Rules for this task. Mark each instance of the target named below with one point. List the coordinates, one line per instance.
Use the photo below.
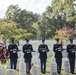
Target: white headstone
(66, 65)
(17, 66)
(1, 70)
(53, 67)
(22, 69)
(36, 61)
(53, 59)
(22, 59)
(53, 70)
(11, 72)
(64, 53)
(35, 70)
(8, 64)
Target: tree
(44, 26)
(65, 33)
(9, 29)
(12, 13)
(24, 19)
(65, 10)
(60, 13)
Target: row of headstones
(22, 67)
(53, 70)
(35, 69)
(22, 70)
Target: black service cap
(27, 40)
(57, 39)
(71, 40)
(12, 38)
(43, 40)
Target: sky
(36, 6)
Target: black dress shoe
(44, 72)
(59, 73)
(28, 72)
(41, 71)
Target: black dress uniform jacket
(57, 48)
(26, 49)
(13, 48)
(71, 48)
(40, 50)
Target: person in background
(43, 49)
(2, 54)
(27, 49)
(71, 49)
(13, 49)
(57, 48)
(5, 53)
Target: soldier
(27, 49)
(71, 48)
(43, 49)
(57, 48)
(13, 49)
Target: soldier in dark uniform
(27, 49)
(71, 48)
(57, 48)
(43, 49)
(13, 48)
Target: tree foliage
(9, 29)
(65, 33)
(23, 18)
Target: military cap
(71, 40)
(27, 40)
(57, 39)
(43, 40)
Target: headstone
(48, 54)
(22, 59)
(36, 61)
(8, 64)
(66, 65)
(53, 68)
(64, 53)
(17, 66)
(35, 70)
(1, 70)
(11, 72)
(22, 69)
